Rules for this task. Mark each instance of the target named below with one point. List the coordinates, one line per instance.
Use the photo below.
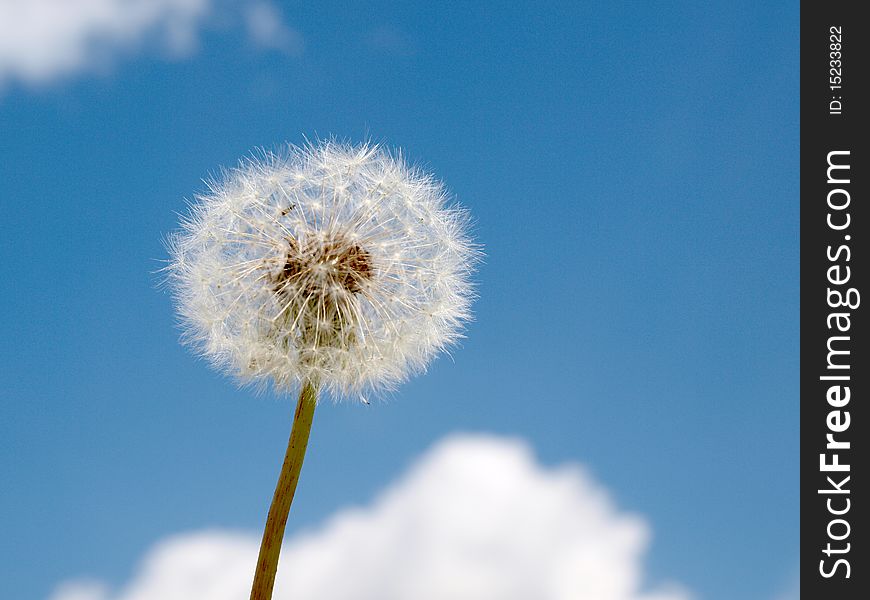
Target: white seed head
(334, 264)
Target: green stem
(273, 535)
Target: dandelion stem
(270, 547)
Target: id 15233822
(835, 77)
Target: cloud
(82, 590)
(476, 518)
(792, 590)
(44, 40)
(267, 28)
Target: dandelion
(330, 268)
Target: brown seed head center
(321, 265)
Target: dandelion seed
(332, 268)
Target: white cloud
(475, 519)
(43, 40)
(267, 28)
(792, 590)
(82, 590)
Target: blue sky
(632, 169)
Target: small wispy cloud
(84, 589)
(42, 41)
(476, 518)
(792, 590)
(268, 29)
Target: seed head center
(324, 266)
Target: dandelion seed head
(334, 264)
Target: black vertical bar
(835, 562)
